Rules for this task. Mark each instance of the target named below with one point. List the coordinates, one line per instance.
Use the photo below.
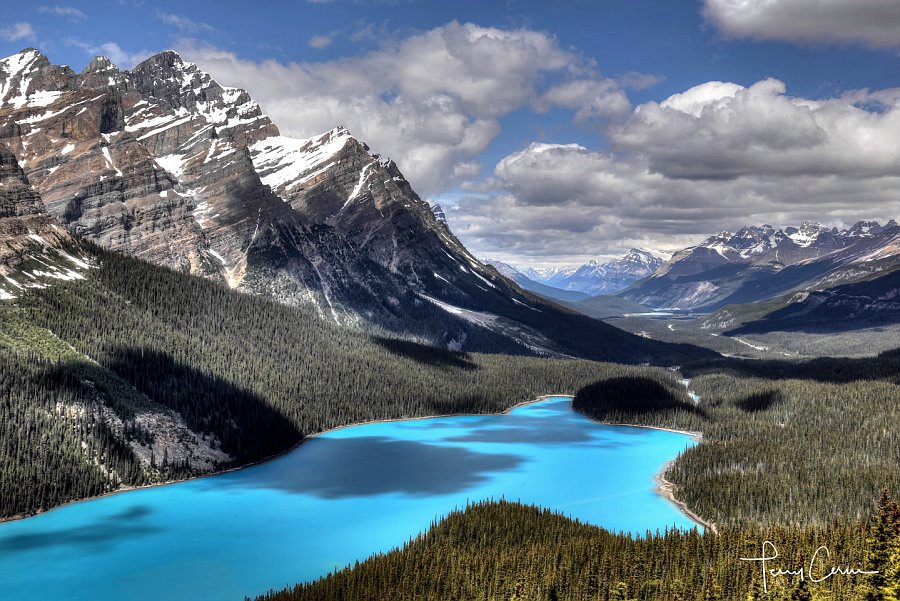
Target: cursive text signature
(810, 572)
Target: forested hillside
(793, 453)
(505, 551)
(783, 442)
(138, 374)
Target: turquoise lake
(338, 498)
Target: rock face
(760, 263)
(34, 248)
(18, 198)
(163, 163)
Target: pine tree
(885, 531)
(801, 592)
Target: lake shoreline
(664, 488)
(294, 447)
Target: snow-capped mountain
(163, 163)
(34, 248)
(595, 277)
(761, 262)
(548, 275)
(440, 215)
(517, 276)
(505, 269)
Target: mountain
(116, 372)
(760, 263)
(636, 264)
(867, 303)
(526, 283)
(164, 164)
(595, 277)
(439, 215)
(548, 274)
(34, 248)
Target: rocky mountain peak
(28, 59)
(99, 64)
(102, 74)
(184, 88)
(179, 84)
(439, 215)
(812, 226)
(16, 75)
(807, 233)
(864, 228)
(165, 62)
(644, 257)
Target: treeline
(86, 360)
(505, 551)
(774, 451)
(636, 398)
(52, 439)
(884, 366)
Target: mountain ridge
(758, 263)
(601, 278)
(163, 163)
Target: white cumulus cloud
(874, 23)
(716, 156)
(431, 101)
(718, 130)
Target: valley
(245, 355)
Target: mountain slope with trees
(505, 551)
(137, 374)
(163, 163)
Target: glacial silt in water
(337, 498)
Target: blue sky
(591, 66)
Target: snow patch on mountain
(595, 277)
(281, 161)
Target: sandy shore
(665, 488)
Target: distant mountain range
(531, 285)
(760, 263)
(164, 164)
(757, 279)
(591, 279)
